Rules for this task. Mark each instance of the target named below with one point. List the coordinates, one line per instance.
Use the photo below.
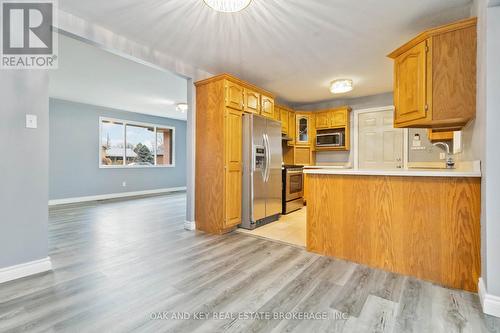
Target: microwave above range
(330, 138)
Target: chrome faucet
(450, 162)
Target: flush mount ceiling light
(341, 86)
(228, 6)
(182, 107)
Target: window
(131, 144)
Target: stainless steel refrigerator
(262, 162)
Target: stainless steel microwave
(330, 138)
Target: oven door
(294, 184)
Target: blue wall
(74, 154)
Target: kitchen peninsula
(423, 223)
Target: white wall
(492, 161)
(77, 27)
(481, 142)
(24, 167)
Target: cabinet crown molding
(462, 24)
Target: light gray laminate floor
(118, 264)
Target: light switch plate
(442, 156)
(31, 121)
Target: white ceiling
(87, 74)
(291, 47)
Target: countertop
(463, 169)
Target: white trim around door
(355, 151)
(22, 270)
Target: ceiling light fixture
(341, 86)
(182, 107)
(228, 6)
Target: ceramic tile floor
(289, 229)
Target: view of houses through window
(132, 144)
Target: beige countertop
(463, 169)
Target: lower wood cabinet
(233, 167)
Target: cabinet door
(322, 120)
(303, 131)
(291, 128)
(277, 113)
(252, 101)
(410, 84)
(303, 155)
(233, 167)
(234, 95)
(267, 109)
(284, 121)
(339, 118)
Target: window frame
(155, 148)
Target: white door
(380, 144)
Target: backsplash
(425, 152)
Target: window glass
(112, 143)
(164, 146)
(133, 144)
(140, 145)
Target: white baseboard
(490, 303)
(114, 196)
(190, 225)
(26, 269)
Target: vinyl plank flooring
(118, 262)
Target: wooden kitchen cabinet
(303, 155)
(277, 113)
(251, 101)
(291, 128)
(267, 106)
(284, 120)
(220, 104)
(303, 130)
(323, 120)
(233, 167)
(234, 95)
(339, 117)
(333, 118)
(435, 78)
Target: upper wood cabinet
(267, 106)
(251, 101)
(435, 78)
(339, 117)
(277, 113)
(303, 131)
(332, 118)
(291, 128)
(234, 95)
(410, 70)
(284, 120)
(323, 120)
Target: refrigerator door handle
(266, 149)
(268, 158)
(264, 167)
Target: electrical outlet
(442, 156)
(124, 184)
